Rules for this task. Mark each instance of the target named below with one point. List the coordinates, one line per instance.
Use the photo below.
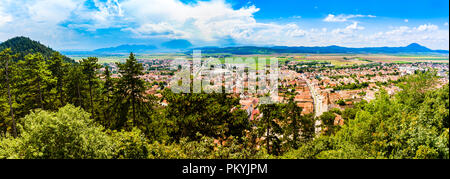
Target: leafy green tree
(415, 87)
(66, 134)
(327, 119)
(341, 102)
(206, 148)
(311, 149)
(131, 144)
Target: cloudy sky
(91, 24)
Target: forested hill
(245, 50)
(24, 46)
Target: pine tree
(75, 85)
(131, 89)
(6, 58)
(292, 119)
(213, 115)
(269, 127)
(297, 128)
(90, 67)
(35, 82)
(108, 87)
(107, 92)
(57, 67)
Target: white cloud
(427, 34)
(205, 21)
(63, 23)
(427, 27)
(398, 31)
(4, 18)
(51, 11)
(446, 24)
(103, 14)
(406, 20)
(38, 19)
(349, 29)
(163, 30)
(343, 17)
(353, 36)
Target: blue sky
(91, 24)
(414, 9)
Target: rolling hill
(127, 49)
(171, 46)
(177, 44)
(246, 50)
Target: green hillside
(24, 46)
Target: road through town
(318, 109)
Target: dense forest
(51, 108)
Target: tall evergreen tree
(107, 92)
(292, 115)
(75, 85)
(57, 67)
(297, 128)
(6, 59)
(35, 80)
(269, 127)
(108, 87)
(131, 87)
(90, 67)
(212, 115)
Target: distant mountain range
(127, 49)
(24, 46)
(183, 46)
(179, 45)
(246, 50)
(172, 45)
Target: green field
(338, 60)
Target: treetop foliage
(71, 110)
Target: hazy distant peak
(177, 44)
(127, 48)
